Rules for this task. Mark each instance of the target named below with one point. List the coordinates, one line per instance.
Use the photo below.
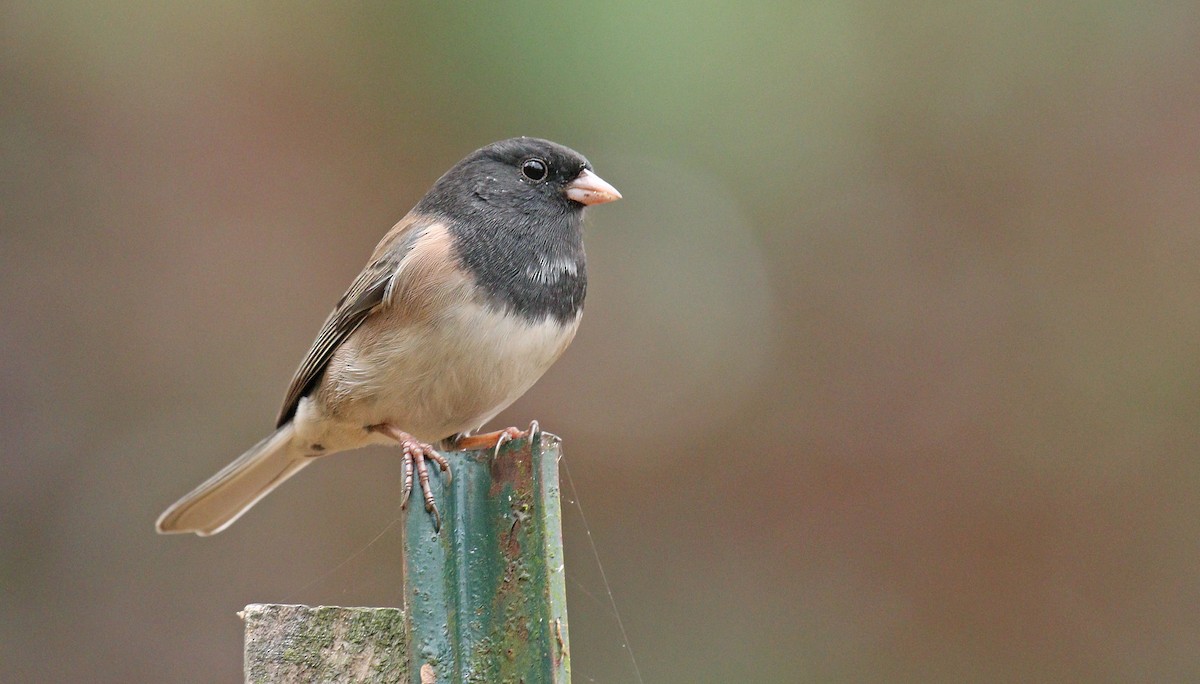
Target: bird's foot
(416, 453)
(495, 440)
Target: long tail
(222, 499)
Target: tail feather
(224, 497)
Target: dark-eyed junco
(464, 304)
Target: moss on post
(324, 644)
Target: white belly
(431, 378)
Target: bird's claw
(504, 438)
(416, 457)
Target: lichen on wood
(324, 644)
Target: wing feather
(369, 291)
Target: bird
(462, 306)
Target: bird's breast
(443, 375)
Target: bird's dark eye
(533, 169)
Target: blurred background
(890, 369)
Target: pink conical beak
(589, 189)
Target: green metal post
(486, 598)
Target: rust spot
(558, 641)
(513, 467)
(511, 546)
(504, 471)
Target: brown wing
(367, 294)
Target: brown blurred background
(890, 372)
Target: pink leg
(495, 440)
(415, 455)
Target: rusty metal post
(486, 597)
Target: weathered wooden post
(485, 598)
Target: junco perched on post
(464, 304)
